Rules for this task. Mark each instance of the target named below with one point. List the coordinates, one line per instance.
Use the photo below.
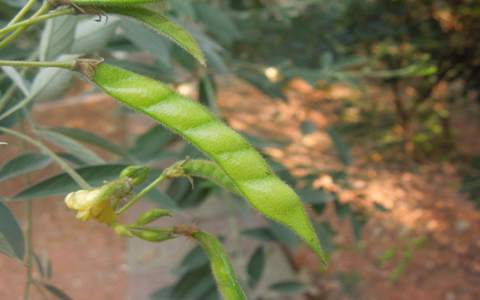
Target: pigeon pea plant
(232, 162)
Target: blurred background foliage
(423, 53)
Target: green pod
(210, 171)
(222, 269)
(151, 216)
(113, 2)
(245, 167)
(153, 235)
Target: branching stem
(39, 16)
(22, 12)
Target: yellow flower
(90, 204)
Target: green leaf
(91, 36)
(49, 83)
(258, 79)
(62, 183)
(211, 49)
(148, 40)
(16, 78)
(57, 37)
(58, 293)
(163, 200)
(342, 148)
(316, 198)
(194, 259)
(41, 267)
(151, 144)
(218, 23)
(22, 164)
(379, 207)
(193, 284)
(92, 139)
(182, 8)
(358, 220)
(6, 247)
(282, 234)
(325, 234)
(164, 293)
(12, 118)
(72, 159)
(71, 146)
(263, 234)
(255, 267)
(11, 237)
(162, 25)
(287, 287)
(207, 94)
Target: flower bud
(138, 174)
(122, 230)
(90, 204)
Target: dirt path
(427, 213)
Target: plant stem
(22, 12)
(36, 18)
(17, 107)
(11, 90)
(29, 229)
(142, 193)
(7, 96)
(29, 245)
(69, 64)
(64, 165)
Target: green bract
(221, 267)
(243, 165)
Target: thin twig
(64, 165)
